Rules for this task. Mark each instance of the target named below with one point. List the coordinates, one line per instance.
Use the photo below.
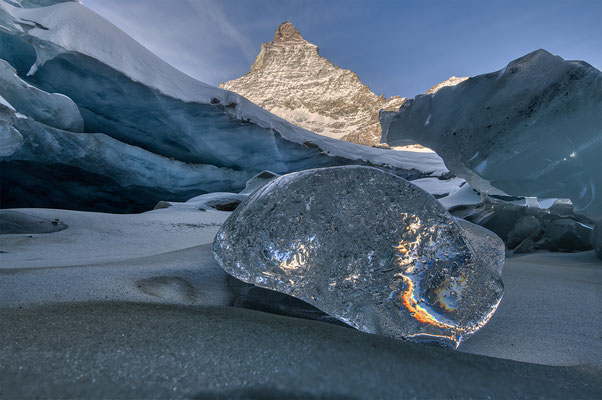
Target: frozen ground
(135, 305)
(93, 238)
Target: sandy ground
(551, 312)
(125, 350)
(135, 305)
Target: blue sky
(396, 47)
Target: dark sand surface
(551, 312)
(128, 350)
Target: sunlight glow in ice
(385, 257)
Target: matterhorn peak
(289, 78)
(287, 32)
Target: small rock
(162, 204)
(16, 222)
(258, 181)
(527, 226)
(545, 230)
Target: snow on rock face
(532, 129)
(290, 79)
(51, 109)
(453, 81)
(407, 270)
(124, 90)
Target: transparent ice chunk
(368, 248)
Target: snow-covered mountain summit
(290, 79)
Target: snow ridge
(452, 81)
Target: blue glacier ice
(533, 128)
(54, 168)
(124, 91)
(52, 109)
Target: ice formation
(533, 128)
(222, 201)
(83, 56)
(65, 54)
(259, 181)
(49, 108)
(385, 257)
(53, 168)
(525, 229)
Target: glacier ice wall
(53, 168)
(52, 109)
(533, 128)
(124, 91)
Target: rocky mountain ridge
(289, 78)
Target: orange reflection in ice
(408, 258)
(419, 312)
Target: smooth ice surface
(385, 257)
(533, 128)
